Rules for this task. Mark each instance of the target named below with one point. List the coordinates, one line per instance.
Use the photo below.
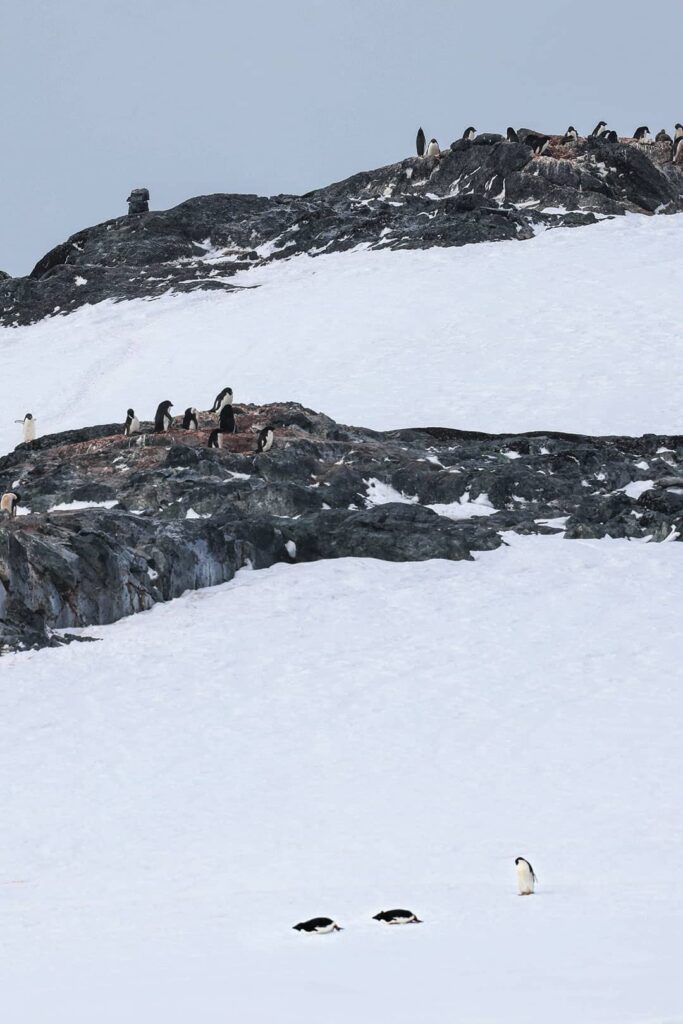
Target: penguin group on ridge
(539, 143)
(526, 884)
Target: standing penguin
(163, 419)
(677, 150)
(223, 397)
(28, 428)
(9, 502)
(420, 142)
(511, 135)
(132, 425)
(642, 134)
(215, 439)
(226, 422)
(663, 136)
(190, 421)
(678, 131)
(599, 129)
(609, 137)
(571, 134)
(265, 440)
(433, 148)
(526, 878)
(469, 133)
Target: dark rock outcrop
(480, 191)
(183, 516)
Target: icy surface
(577, 329)
(341, 738)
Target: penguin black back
(511, 135)
(220, 399)
(215, 439)
(227, 420)
(190, 421)
(420, 142)
(163, 418)
(265, 440)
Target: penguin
(599, 129)
(223, 397)
(226, 422)
(609, 137)
(163, 419)
(678, 131)
(677, 149)
(420, 142)
(318, 926)
(526, 878)
(9, 502)
(433, 148)
(537, 143)
(571, 134)
(216, 439)
(397, 917)
(132, 425)
(511, 135)
(469, 133)
(190, 421)
(265, 440)
(28, 428)
(642, 134)
(663, 136)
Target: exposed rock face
(184, 516)
(480, 191)
(138, 201)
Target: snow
(637, 487)
(178, 795)
(73, 506)
(572, 330)
(466, 508)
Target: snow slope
(340, 738)
(577, 329)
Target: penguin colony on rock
(538, 144)
(526, 881)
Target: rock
(185, 516)
(481, 191)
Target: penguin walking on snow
(642, 134)
(223, 397)
(397, 917)
(9, 502)
(317, 926)
(190, 421)
(265, 440)
(433, 148)
(420, 142)
(163, 419)
(469, 133)
(526, 877)
(600, 129)
(132, 424)
(28, 428)
(226, 423)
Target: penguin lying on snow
(163, 419)
(132, 425)
(397, 917)
(420, 142)
(226, 422)
(317, 926)
(223, 397)
(642, 134)
(526, 878)
(190, 421)
(265, 440)
(9, 502)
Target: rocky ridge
(175, 515)
(484, 190)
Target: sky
(188, 98)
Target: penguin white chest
(525, 879)
(29, 430)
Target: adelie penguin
(571, 134)
(223, 397)
(190, 421)
(663, 136)
(420, 142)
(132, 424)
(642, 134)
(9, 502)
(433, 148)
(511, 135)
(317, 926)
(537, 143)
(469, 133)
(678, 131)
(226, 423)
(526, 877)
(265, 440)
(28, 428)
(397, 917)
(599, 129)
(163, 419)
(609, 136)
(215, 439)
(677, 150)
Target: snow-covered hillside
(342, 738)
(577, 329)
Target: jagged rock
(138, 201)
(484, 190)
(186, 516)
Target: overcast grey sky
(195, 96)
